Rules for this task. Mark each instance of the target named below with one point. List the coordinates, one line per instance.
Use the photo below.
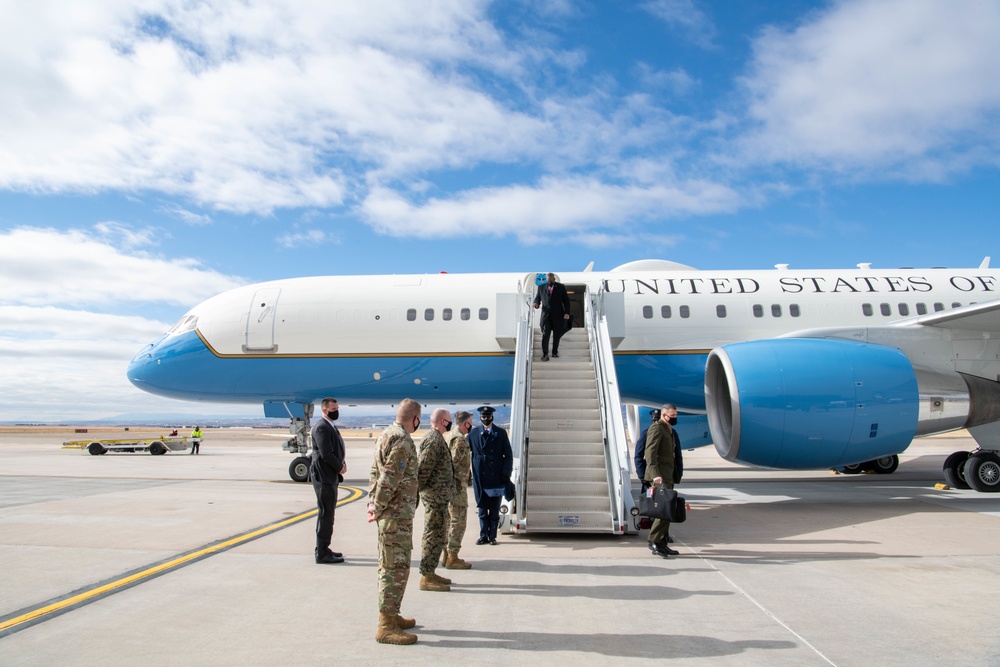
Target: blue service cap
(485, 410)
(655, 413)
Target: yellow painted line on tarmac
(45, 610)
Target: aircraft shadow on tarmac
(632, 645)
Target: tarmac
(132, 559)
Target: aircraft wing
(976, 317)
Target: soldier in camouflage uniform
(458, 509)
(437, 486)
(392, 489)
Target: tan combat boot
(438, 578)
(453, 562)
(404, 623)
(430, 584)
(389, 633)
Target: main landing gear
(978, 470)
(882, 466)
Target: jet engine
(801, 403)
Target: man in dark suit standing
(554, 300)
(492, 465)
(326, 471)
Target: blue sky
(156, 152)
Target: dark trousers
(489, 517)
(326, 502)
(552, 325)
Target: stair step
(565, 448)
(571, 475)
(587, 461)
(556, 522)
(564, 488)
(574, 425)
(562, 402)
(566, 504)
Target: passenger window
(446, 314)
(775, 310)
(904, 309)
(665, 312)
(647, 312)
(921, 309)
(411, 314)
(885, 309)
(466, 314)
(429, 314)
(758, 310)
(938, 307)
(720, 311)
(484, 313)
(956, 305)
(867, 309)
(793, 310)
(685, 311)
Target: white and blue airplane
(793, 369)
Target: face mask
(417, 427)
(333, 415)
(487, 422)
(671, 420)
(447, 426)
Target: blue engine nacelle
(801, 403)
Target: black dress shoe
(330, 560)
(482, 540)
(340, 555)
(663, 550)
(545, 357)
(493, 542)
(555, 354)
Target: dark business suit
(328, 455)
(554, 301)
(660, 462)
(492, 465)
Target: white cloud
(686, 16)
(571, 205)
(906, 85)
(41, 267)
(307, 237)
(244, 106)
(63, 354)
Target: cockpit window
(186, 323)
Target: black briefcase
(658, 503)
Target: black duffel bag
(660, 503)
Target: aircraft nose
(142, 365)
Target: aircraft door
(260, 321)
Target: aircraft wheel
(853, 469)
(96, 449)
(156, 448)
(982, 472)
(299, 469)
(954, 470)
(886, 465)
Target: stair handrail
(612, 424)
(520, 412)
